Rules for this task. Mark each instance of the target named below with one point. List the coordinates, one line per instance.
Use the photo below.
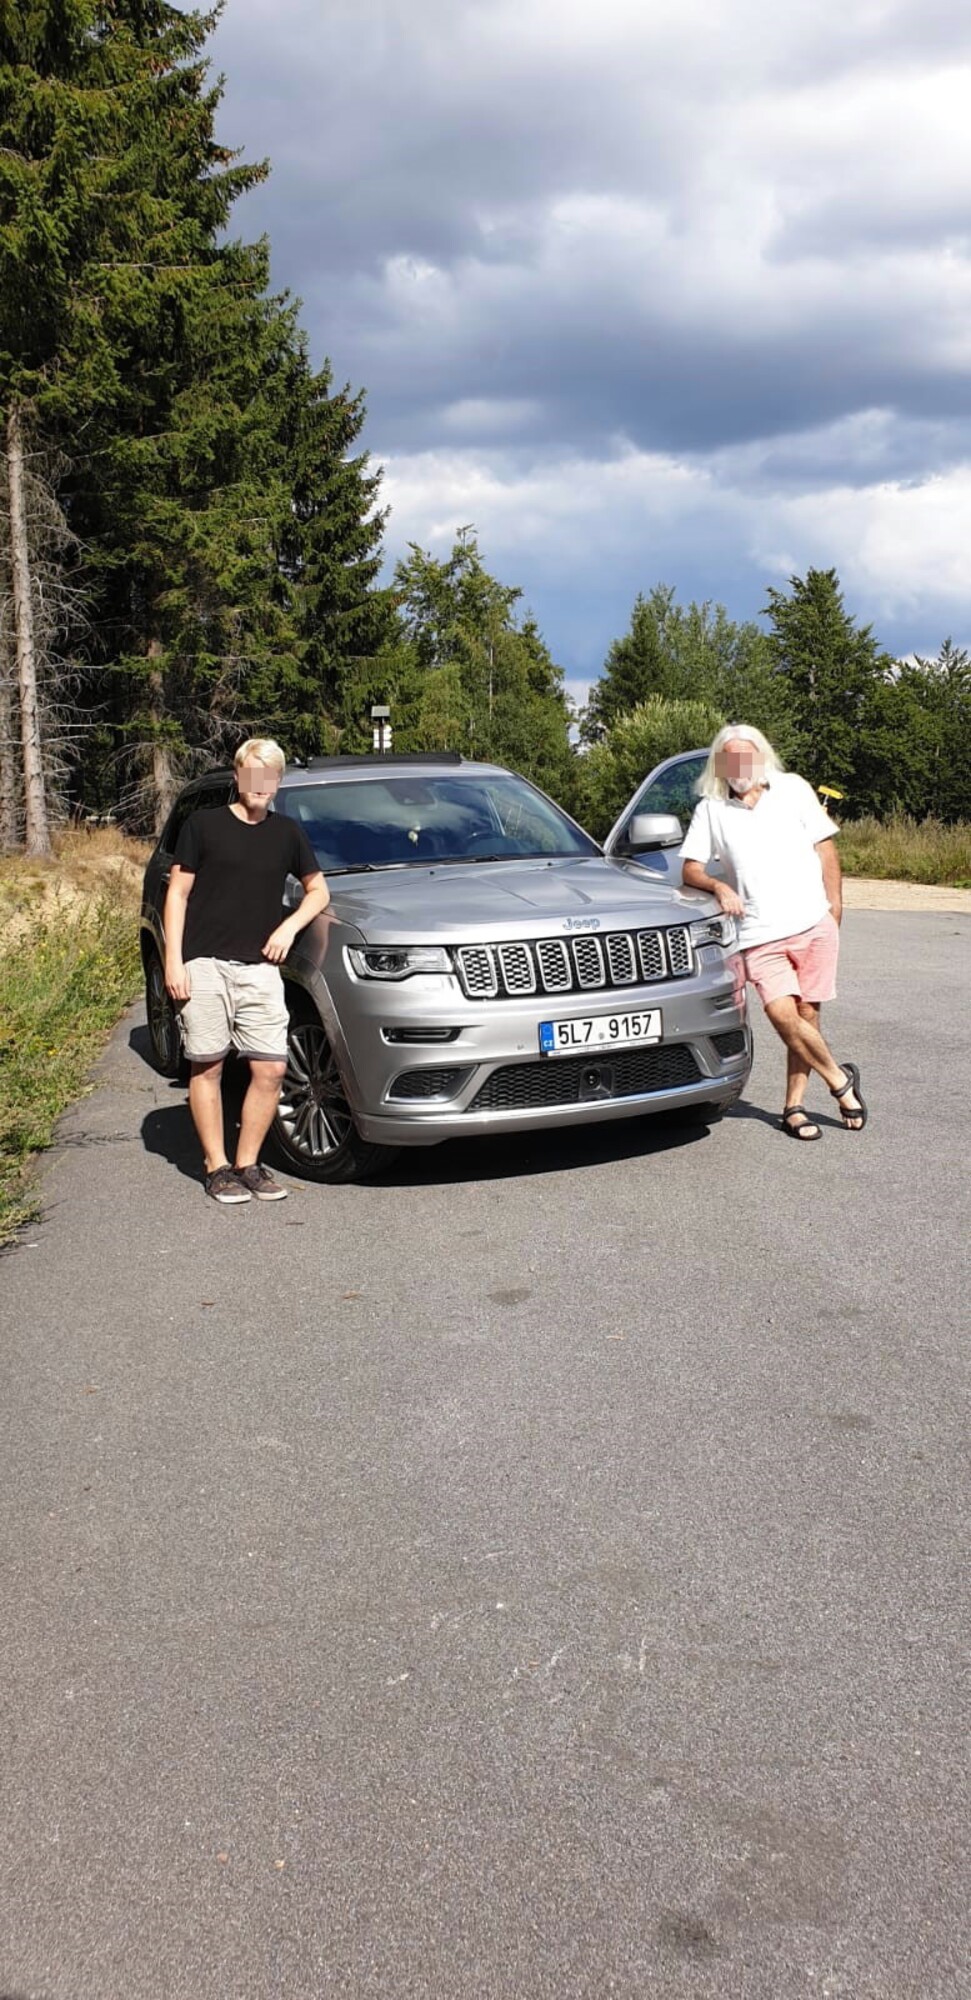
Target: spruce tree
(636, 666)
(686, 653)
(485, 682)
(232, 544)
(329, 557)
(831, 668)
(120, 313)
(182, 499)
(56, 117)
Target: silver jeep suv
(482, 968)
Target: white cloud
(677, 290)
(901, 546)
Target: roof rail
(379, 757)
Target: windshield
(399, 821)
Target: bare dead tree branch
(40, 608)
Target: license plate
(598, 1031)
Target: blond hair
(710, 785)
(262, 750)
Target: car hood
(508, 899)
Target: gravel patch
(862, 892)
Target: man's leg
(796, 1120)
(804, 1041)
(206, 1106)
(260, 1032)
(259, 1107)
(798, 1070)
(205, 1027)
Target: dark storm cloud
(545, 233)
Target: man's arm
(695, 876)
(829, 862)
(315, 900)
(180, 888)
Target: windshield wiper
(469, 860)
(448, 861)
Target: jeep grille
(584, 964)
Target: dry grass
(88, 864)
(901, 849)
(69, 964)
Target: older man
(781, 880)
(225, 939)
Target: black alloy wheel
(314, 1128)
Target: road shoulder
(863, 892)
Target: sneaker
(225, 1185)
(257, 1181)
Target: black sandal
(850, 1111)
(807, 1131)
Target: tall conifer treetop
(830, 667)
(232, 539)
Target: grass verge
(901, 849)
(69, 965)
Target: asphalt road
(544, 1573)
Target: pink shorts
(804, 966)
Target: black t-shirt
(241, 871)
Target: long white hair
(710, 785)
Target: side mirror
(649, 831)
(293, 893)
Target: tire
(314, 1130)
(165, 1042)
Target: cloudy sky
(647, 290)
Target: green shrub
(612, 770)
(66, 973)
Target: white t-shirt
(768, 853)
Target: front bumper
(494, 1047)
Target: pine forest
(192, 536)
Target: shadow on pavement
(754, 1111)
(517, 1155)
(168, 1131)
(771, 1118)
(140, 1046)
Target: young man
(768, 830)
(225, 938)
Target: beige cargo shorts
(233, 1006)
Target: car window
(674, 791)
(397, 821)
(198, 800)
(187, 804)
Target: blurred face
(740, 764)
(257, 784)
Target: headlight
(714, 930)
(397, 962)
